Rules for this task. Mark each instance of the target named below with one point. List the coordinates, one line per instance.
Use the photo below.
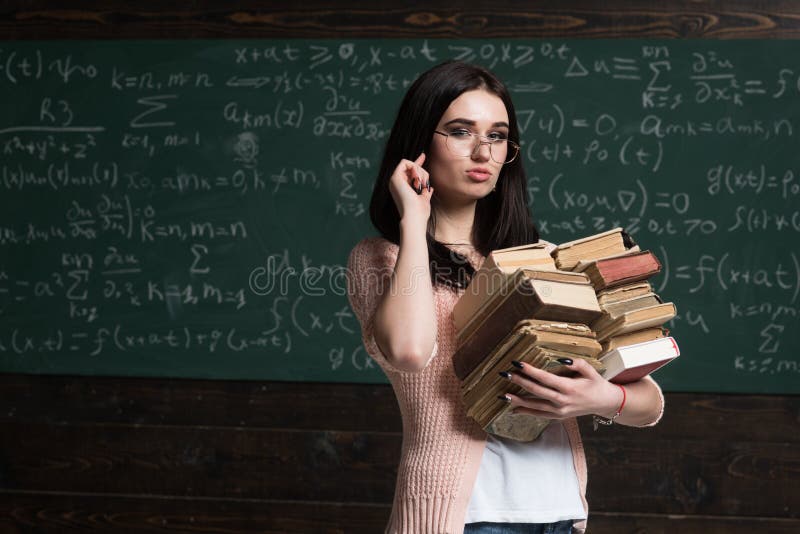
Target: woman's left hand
(560, 397)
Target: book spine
(513, 309)
(487, 280)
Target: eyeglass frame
(481, 142)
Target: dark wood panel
(203, 462)
(222, 403)
(695, 477)
(49, 513)
(627, 523)
(435, 19)
(671, 477)
(352, 407)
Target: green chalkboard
(186, 208)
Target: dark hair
(502, 218)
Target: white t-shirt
(527, 482)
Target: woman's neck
(454, 224)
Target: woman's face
(459, 179)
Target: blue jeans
(559, 527)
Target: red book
(630, 363)
(621, 270)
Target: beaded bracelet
(596, 419)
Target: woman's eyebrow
(469, 122)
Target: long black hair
(502, 218)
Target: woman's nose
(482, 151)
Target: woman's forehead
(478, 106)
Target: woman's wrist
(413, 227)
(617, 410)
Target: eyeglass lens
(465, 145)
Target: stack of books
(529, 294)
(493, 276)
(533, 315)
(591, 299)
(632, 311)
(537, 342)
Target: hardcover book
(628, 364)
(621, 270)
(494, 273)
(625, 292)
(531, 295)
(609, 243)
(632, 338)
(657, 315)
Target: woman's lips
(479, 176)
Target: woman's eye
(459, 133)
(497, 136)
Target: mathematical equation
(206, 203)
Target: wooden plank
(714, 416)
(350, 407)
(674, 477)
(628, 523)
(202, 462)
(695, 477)
(224, 403)
(395, 19)
(57, 513)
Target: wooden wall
(162, 455)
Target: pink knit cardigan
(442, 447)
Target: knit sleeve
(369, 271)
(660, 403)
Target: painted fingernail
(505, 398)
(516, 364)
(565, 361)
(505, 374)
(428, 185)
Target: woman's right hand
(406, 180)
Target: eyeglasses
(463, 144)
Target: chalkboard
(185, 209)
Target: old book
(531, 294)
(502, 293)
(481, 400)
(490, 385)
(624, 292)
(657, 315)
(615, 241)
(582, 264)
(519, 427)
(620, 270)
(512, 285)
(632, 338)
(615, 309)
(492, 413)
(628, 364)
(567, 337)
(493, 274)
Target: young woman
(451, 188)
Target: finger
(420, 159)
(583, 368)
(539, 406)
(543, 377)
(417, 170)
(534, 388)
(412, 171)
